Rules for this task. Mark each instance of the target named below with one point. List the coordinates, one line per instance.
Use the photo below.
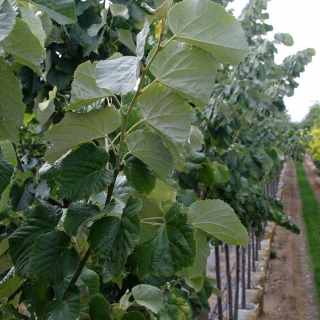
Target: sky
(301, 20)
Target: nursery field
(291, 293)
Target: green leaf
(161, 191)
(148, 296)
(46, 108)
(203, 252)
(196, 282)
(139, 176)
(33, 21)
(38, 296)
(91, 280)
(220, 172)
(5, 263)
(113, 239)
(167, 112)
(64, 309)
(8, 152)
(7, 18)
(133, 315)
(9, 285)
(84, 90)
(80, 128)
(209, 26)
(62, 11)
(285, 38)
(6, 170)
(99, 309)
(41, 219)
(219, 220)
(78, 215)
(169, 248)
(189, 71)
(141, 40)
(5, 197)
(94, 28)
(119, 10)
(83, 172)
(24, 46)
(125, 37)
(149, 149)
(21, 196)
(52, 259)
(162, 9)
(58, 78)
(11, 106)
(119, 75)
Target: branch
(77, 273)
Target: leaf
(6, 170)
(113, 239)
(149, 149)
(21, 196)
(141, 40)
(169, 248)
(8, 152)
(119, 10)
(24, 46)
(52, 259)
(196, 282)
(5, 263)
(162, 10)
(220, 172)
(84, 90)
(42, 219)
(161, 191)
(219, 220)
(5, 196)
(188, 71)
(80, 128)
(285, 38)
(9, 285)
(209, 26)
(167, 112)
(148, 296)
(139, 176)
(94, 28)
(62, 11)
(200, 263)
(133, 315)
(99, 309)
(91, 280)
(83, 172)
(11, 106)
(119, 75)
(125, 37)
(7, 18)
(33, 21)
(64, 309)
(46, 108)
(78, 215)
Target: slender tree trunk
(249, 267)
(243, 280)
(230, 304)
(236, 295)
(218, 277)
(254, 257)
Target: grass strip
(311, 217)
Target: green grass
(311, 217)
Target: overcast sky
(301, 20)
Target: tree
(93, 225)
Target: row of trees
(133, 134)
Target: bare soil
(290, 292)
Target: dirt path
(290, 295)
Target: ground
(290, 292)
